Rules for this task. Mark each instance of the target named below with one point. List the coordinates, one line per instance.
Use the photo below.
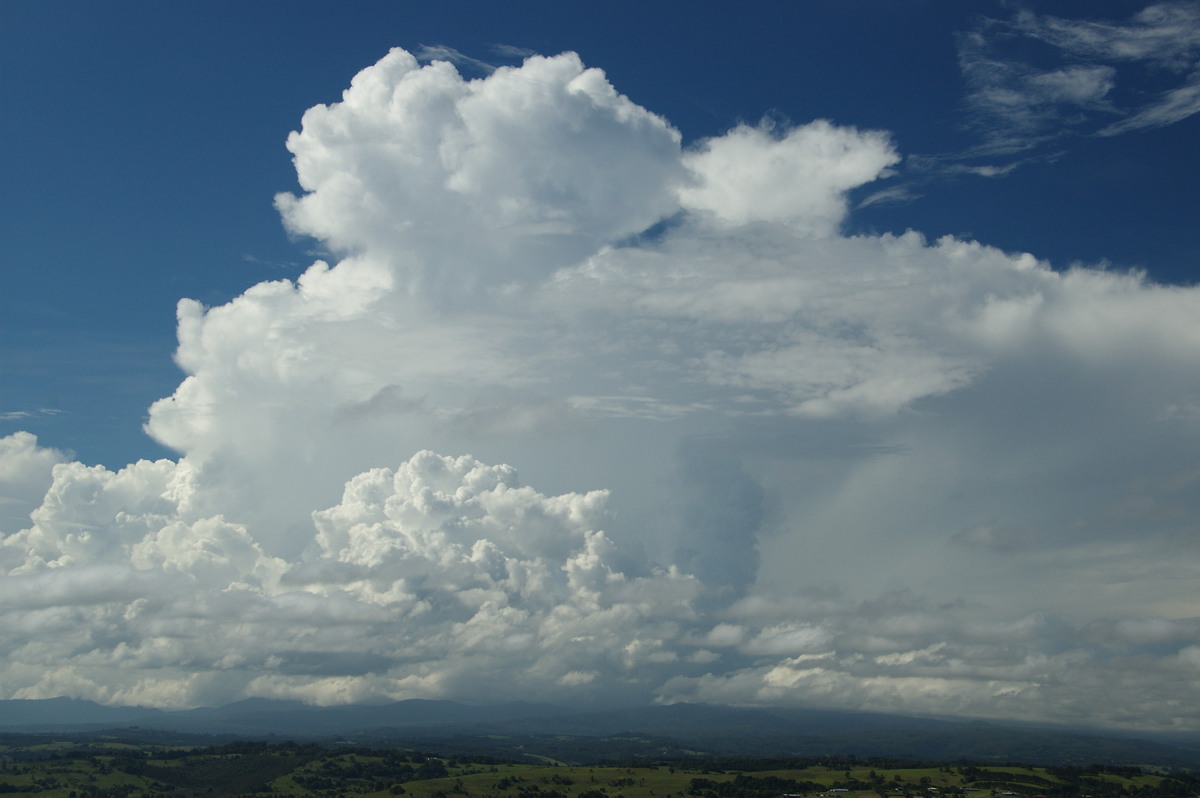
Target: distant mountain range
(516, 730)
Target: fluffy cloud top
(801, 178)
(431, 579)
(482, 181)
(768, 462)
(25, 471)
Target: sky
(817, 354)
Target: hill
(678, 730)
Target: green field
(72, 771)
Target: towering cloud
(25, 473)
(461, 184)
(761, 460)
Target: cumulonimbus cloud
(766, 461)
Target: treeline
(743, 786)
(753, 764)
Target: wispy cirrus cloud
(440, 52)
(1035, 78)
(18, 415)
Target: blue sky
(598, 381)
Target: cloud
(440, 52)
(1167, 34)
(440, 573)
(1173, 106)
(480, 182)
(19, 415)
(799, 176)
(894, 194)
(512, 51)
(25, 474)
(1097, 81)
(762, 461)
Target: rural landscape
(106, 766)
(438, 749)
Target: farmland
(105, 768)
